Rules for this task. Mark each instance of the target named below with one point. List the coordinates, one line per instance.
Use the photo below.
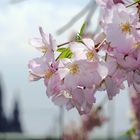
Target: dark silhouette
(15, 125)
(3, 120)
(11, 124)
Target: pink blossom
(80, 98)
(111, 87)
(103, 63)
(83, 73)
(93, 119)
(46, 44)
(83, 99)
(129, 62)
(108, 3)
(123, 25)
(38, 67)
(41, 68)
(84, 51)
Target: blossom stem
(132, 4)
(64, 44)
(106, 56)
(98, 47)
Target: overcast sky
(19, 23)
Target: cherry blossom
(123, 24)
(108, 3)
(84, 66)
(46, 44)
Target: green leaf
(61, 49)
(131, 132)
(78, 37)
(82, 29)
(136, 0)
(65, 54)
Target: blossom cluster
(73, 74)
(88, 122)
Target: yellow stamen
(67, 95)
(44, 50)
(49, 74)
(74, 69)
(90, 55)
(137, 45)
(125, 27)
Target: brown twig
(132, 4)
(98, 47)
(64, 44)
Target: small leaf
(65, 54)
(131, 132)
(136, 0)
(82, 29)
(78, 37)
(61, 49)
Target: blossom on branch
(74, 71)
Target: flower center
(67, 95)
(90, 55)
(137, 45)
(49, 74)
(125, 27)
(44, 50)
(74, 69)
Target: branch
(74, 19)
(92, 10)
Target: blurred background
(25, 110)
